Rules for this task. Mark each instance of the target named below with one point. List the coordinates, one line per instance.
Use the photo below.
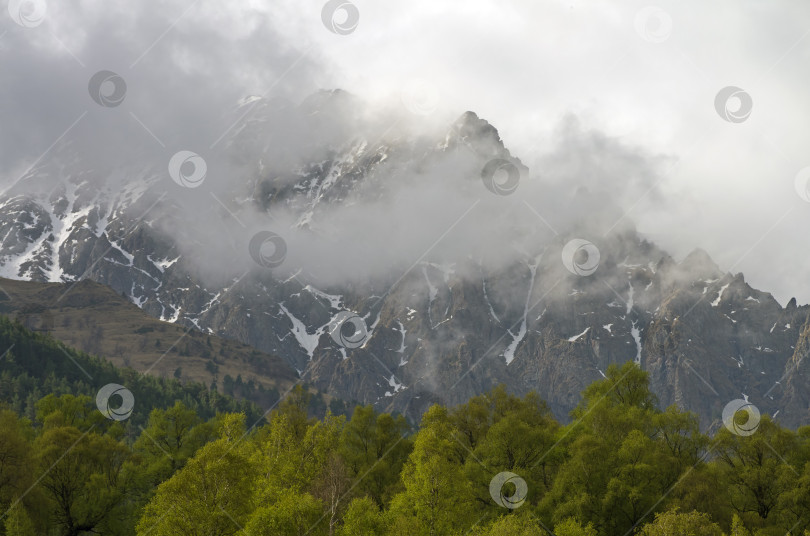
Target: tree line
(499, 464)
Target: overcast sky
(647, 76)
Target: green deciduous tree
(572, 527)
(438, 498)
(169, 439)
(509, 525)
(623, 454)
(212, 494)
(290, 515)
(375, 448)
(674, 523)
(331, 487)
(759, 473)
(15, 457)
(68, 410)
(87, 479)
(511, 434)
(18, 522)
(362, 517)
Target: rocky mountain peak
(481, 137)
(330, 101)
(699, 264)
(442, 332)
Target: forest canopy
(189, 461)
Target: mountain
(93, 318)
(35, 366)
(388, 264)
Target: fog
(619, 100)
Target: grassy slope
(93, 318)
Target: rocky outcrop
(436, 329)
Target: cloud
(423, 198)
(185, 67)
(646, 129)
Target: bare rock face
(439, 325)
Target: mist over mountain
(594, 76)
(353, 267)
(400, 265)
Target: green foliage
(763, 486)
(15, 456)
(737, 527)
(509, 525)
(210, 495)
(86, 479)
(38, 365)
(674, 523)
(572, 527)
(189, 461)
(374, 447)
(68, 410)
(363, 516)
(499, 432)
(623, 455)
(291, 515)
(169, 439)
(18, 522)
(437, 499)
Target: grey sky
(525, 66)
